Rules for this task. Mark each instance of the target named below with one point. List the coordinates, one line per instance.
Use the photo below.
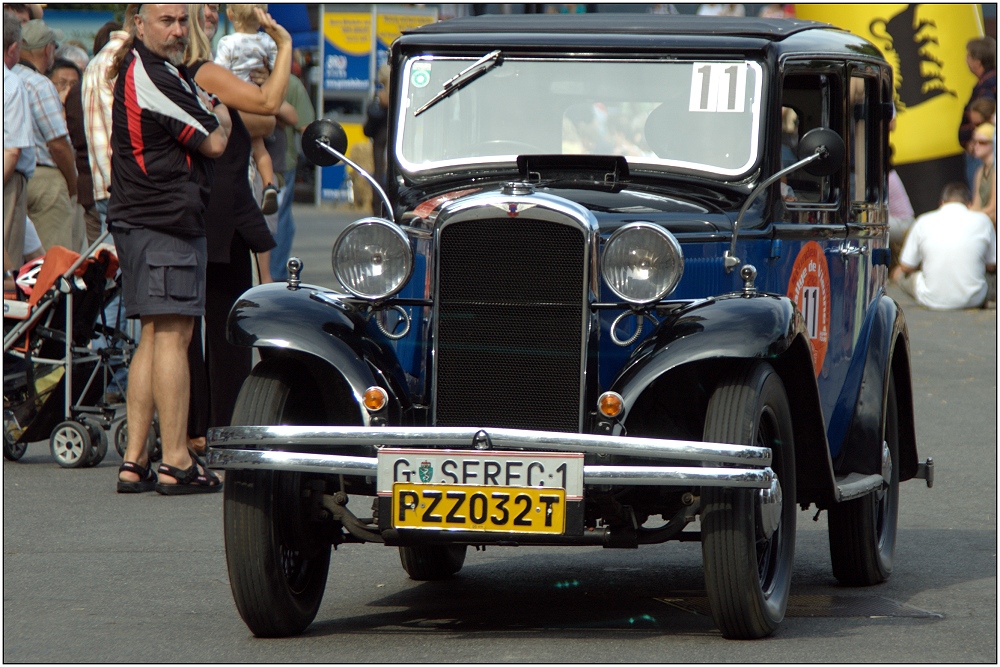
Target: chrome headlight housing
(642, 263)
(372, 258)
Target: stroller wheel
(152, 440)
(12, 449)
(121, 438)
(70, 444)
(99, 445)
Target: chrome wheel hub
(886, 469)
(769, 509)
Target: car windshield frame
(542, 96)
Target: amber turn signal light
(610, 404)
(375, 398)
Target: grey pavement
(93, 576)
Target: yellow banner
(390, 26)
(355, 133)
(349, 32)
(925, 44)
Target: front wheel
(99, 445)
(70, 444)
(863, 531)
(748, 535)
(277, 565)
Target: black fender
(883, 348)
(669, 379)
(325, 331)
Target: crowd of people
(948, 258)
(188, 130)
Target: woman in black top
(235, 225)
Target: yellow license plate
(505, 509)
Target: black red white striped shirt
(159, 179)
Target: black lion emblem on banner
(910, 38)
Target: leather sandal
(196, 479)
(147, 478)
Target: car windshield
(693, 115)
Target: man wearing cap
(52, 188)
(18, 150)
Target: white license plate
(540, 470)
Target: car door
(812, 262)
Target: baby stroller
(63, 364)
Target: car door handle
(848, 250)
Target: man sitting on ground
(954, 249)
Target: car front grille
(509, 340)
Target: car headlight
(642, 263)
(372, 258)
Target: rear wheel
(748, 535)
(431, 562)
(863, 531)
(153, 449)
(12, 449)
(277, 568)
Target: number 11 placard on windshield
(718, 87)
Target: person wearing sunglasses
(984, 191)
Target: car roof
(622, 24)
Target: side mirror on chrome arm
(324, 144)
(821, 153)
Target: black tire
(121, 438)
(70, 444)
(863, 531)
(98, 445)
(277, 569)
(748, 574)
(432, 562)
(153, 450)
(12, 449)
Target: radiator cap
(516, 188)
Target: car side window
(807, 102)
(863, 140)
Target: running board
(856, 485)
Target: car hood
(698, 212)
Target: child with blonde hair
(242, 52)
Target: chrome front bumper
(263, 448)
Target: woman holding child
(235, 223)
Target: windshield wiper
(464, 78)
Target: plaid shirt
(98, 97)
(46, 112)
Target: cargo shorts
(162, 274)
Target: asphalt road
(92, 576)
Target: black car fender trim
(277, 318)
(886, 351)
(695, 344)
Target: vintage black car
(628, 287)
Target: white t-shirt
(242, 53)
(952, 246)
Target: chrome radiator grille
(510, 317)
